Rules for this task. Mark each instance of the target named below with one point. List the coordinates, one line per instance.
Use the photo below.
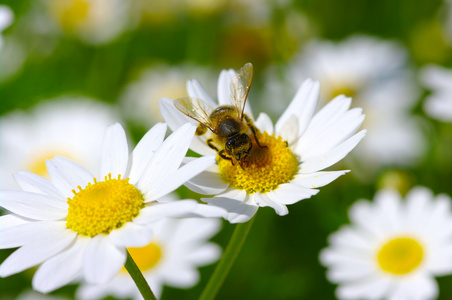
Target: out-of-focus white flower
(140, 98)
(6, 18)
(69, 126)
(438, 105)
(93, 21)
(32, 295)
(177, 249)
(374, 73)
(77, 223)
(393, 248)
(286, 168)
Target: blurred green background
(280, 257)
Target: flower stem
(138, 278)
(224, 266)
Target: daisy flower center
(146, 257)
(268, 167)
(37, 163)
(70, 13)
(103, 206)
(346, 90)
(400, 256)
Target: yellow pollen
(103, 206)
(343, 90)
(268, 167)
(146, 257)
(400, 256)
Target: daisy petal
(36, 252)
(317, 179)
(417, 287)
(30, 182)
(204, 255)
(302, 106)
(374, 288)
(238, 211)
(206, 211)
(144, 151)
(266, 200)
(31, 232)
(333, 156)
(181, 176)
(167, 159)
(66, 175)
(33, 206)
(102, 260)
(224, 87)
(207, 183)
(9, 221)
(290, 193)
(161, 210)
(60, 269)
(115, 151)
(196, 90)
(264, 123)
(131, 235)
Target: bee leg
(212, 145)
(223, 156)
(250, 124)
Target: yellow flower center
(146, 257)
(70, 13)
(37, 162)
(343, 90)
(268, 167)
(400, 256)
(103, 206)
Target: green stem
(138, 278)
(224, 266)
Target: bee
(231, 127)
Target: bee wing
(195, 109)
(240, 87)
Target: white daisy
(393, 248)
(77, 223)
(69, 126)
(288, 169)
(374, 72)
(140, 98)
(93, 21)
(177, 249)
(438, 105)
(6, 18)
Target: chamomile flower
(376, 74)
(6, 18)
(288, 168)
(438, 105)
(393, 248)
(93, 21)
(69, 126)
(79, 223)
(177, 248)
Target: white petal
(290, 193)
(264, 200)
(289, 130)
(67, 175)
(206, 211)
(144, 151)
(157, 211)
(363, 214)
(333, 156)
(30, 182)
(31, 232)
(192, 230)
(302, 106)
(180, 177)
(167, 159)
(131, 235)
(33, 206)
(233, 201)
(8, 221)
(264, 123)
(204, 255)
(373, 288)
(207, 183)
(196, 90)
(418, 287)
(115, 152)
(102, 260)
(184, 277)
(60, 269)
(224, 87)
(317, 179)
(176, 119)
(36, 252)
